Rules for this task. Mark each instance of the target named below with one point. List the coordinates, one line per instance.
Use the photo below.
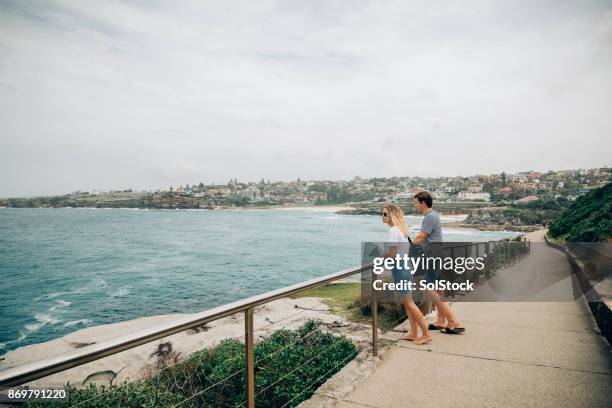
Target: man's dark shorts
(433, 250)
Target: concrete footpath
(523, 354)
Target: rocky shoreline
(495, 227)
(142, 361)
(183, 204)
(483, 219)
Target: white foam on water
(63, 302)
(121, 292)
(98, 283)
(75, 322)
(49, 296)
(22, 337)
(42, 319)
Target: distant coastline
(524, 201)
(153, 201)
(465, 219)
(339, 209)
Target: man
(430, 239)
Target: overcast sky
(146, 94)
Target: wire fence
(177, 375)
(318, 380)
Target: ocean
(66, 269)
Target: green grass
(342, 298)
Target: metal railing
(32, 371)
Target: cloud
(151, 94)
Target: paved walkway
(525, 354)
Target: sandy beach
(333, 208)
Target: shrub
(289, 366)
(588, 219)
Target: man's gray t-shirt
(433, 227)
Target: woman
(398, 243)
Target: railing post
(250, 363)
(374, 319)
(529, 247)
(488, 260)
(452, 291)
(477, 254)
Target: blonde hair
(397, 217)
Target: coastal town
(522, 187)
(509, 201)
(519, 188)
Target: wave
(49, 296)
(42, 319)
(75, 322)
(97, 283)
(121, 292)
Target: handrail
(32, 371)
